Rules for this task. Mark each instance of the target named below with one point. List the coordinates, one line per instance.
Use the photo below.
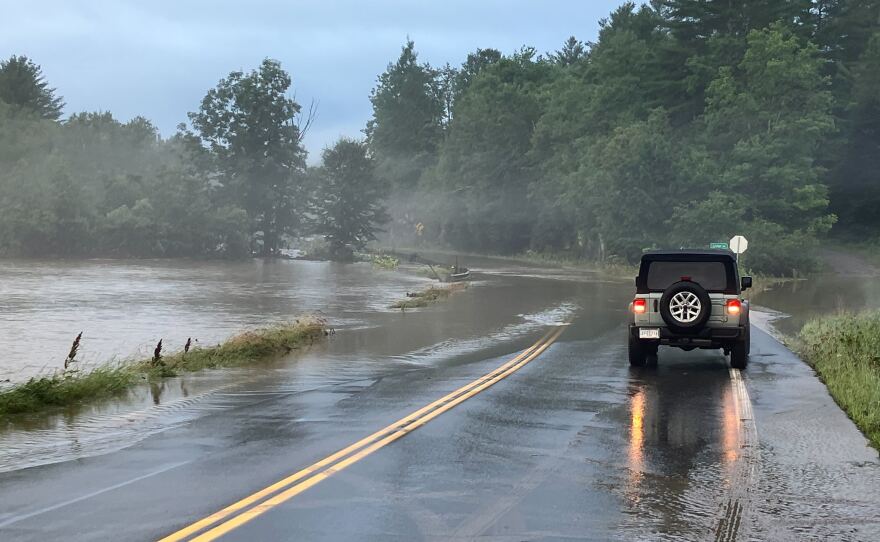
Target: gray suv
(689, 299)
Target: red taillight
(734, 307)
(640, 306)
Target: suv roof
(686, 254)
(690, 255)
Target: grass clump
(250, 346)
(385, 261)
(67, 388)
(425, 297)
(844, 350)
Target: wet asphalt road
(572, 446)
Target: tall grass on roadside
(261, 344)
(66, 388)
(844, 350)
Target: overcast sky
(158, 58)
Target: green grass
(70, 388)
(62, 389)
(385, 261)
(429, 295)
(845, 351)
(250, 346)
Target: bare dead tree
(305, 120)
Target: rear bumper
(708, 337)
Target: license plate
(649, 333)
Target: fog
(669, 126)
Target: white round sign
(738, 244)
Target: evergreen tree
(22, 85)
(711, 34)
(765, 125)
(485, 158)
(847, 36)
(473, 65)
(572, 52)
(855, 184)
(408, 113)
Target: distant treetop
(22, 84)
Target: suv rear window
(712, 276)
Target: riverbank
(844, 350)
(66, 388)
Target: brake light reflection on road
(640, 306)
(734, 307)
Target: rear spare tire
(685, 307)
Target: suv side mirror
(745, 283)
(637, 282)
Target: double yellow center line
(264, 500)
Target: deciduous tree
(350, 198)
(250, 124)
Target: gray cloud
(158, 58)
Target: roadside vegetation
(70, 387)
(845, 351)
(670, 130)
(385, 261)
(429, 295)
(91, 185)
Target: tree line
(232, 183)
(686, 121)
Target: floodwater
(129, 305)
(800, 301)
(123, 308)
(574, 445)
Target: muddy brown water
(575, 445)
(124, 307)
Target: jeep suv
(689, 299)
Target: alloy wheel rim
(685, 307)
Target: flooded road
(570, 444)
(123, 307)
